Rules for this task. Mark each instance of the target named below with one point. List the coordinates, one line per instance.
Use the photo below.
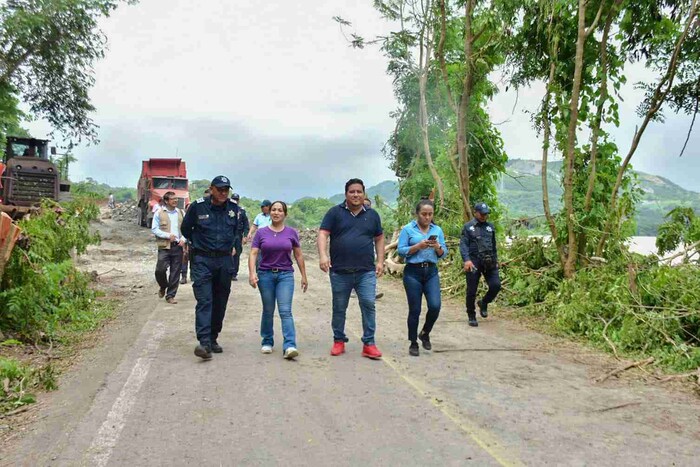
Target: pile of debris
(123, 212)
(307, 237)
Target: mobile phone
(432, 238)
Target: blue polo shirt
(412, 234)
(352, 237)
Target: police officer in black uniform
(211, 224)
(241, 232)
(478, 248)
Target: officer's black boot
(483, 309)
(203, 351)
(472, 319)
(413, 349)
(215, 347)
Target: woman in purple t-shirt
(275, 277)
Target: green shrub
(17, 380)
(42, 291)
(640, 307)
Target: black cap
(265, 203)
(236, 196)
(483, 208)
(221, 182)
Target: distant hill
(388, 190)
(520, 191)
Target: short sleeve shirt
(276, 248)
(261, 220)
(352, 238)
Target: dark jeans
(238, 245)
(185, 262)
(492, 280)
(277, 287)
(169, 259)
(212, 286)
(365, 285)
(418, 281)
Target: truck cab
(27, 175)
(158, 176)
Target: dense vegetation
(443, 56)
(44, 299)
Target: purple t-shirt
(276, 247)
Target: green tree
(48, 49)
(579, 48)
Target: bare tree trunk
(597, 122)
(424, 68)
(658, 99)
(545, 155)
(463, 111)
(570, 154)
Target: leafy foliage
(100, 191)
(43, 294)
(16, 379)
(681, 229)
(632, 305)
(48, 49)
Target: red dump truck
(159, 176)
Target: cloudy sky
(270, 94)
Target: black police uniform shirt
(209, 227)
(243, 223)
(469, 245)
(352, 237)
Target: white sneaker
(291, 353)
(266, 349)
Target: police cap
(483, 208)
(221, 182)
(236, 196)
(265, 203)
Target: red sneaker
(371, 351)
(338, 348)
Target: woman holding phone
(422, 243)
(275, 277)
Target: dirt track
(499, 394)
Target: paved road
(142, 398)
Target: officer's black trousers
(211, 284)
(492, 280)
(169, 259)
(238, 245)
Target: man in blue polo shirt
(355, 233)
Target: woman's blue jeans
(419, 281)
(277, 287)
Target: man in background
(166, 226)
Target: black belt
(211, 254)
(426, 264)
(275, 270)
(349, 271)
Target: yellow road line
(482, 438)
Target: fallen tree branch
(111, 270)
(626, 367)
(615, 407)
(681, 253)
(487, 350)
(24, 408)
(695, 374)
